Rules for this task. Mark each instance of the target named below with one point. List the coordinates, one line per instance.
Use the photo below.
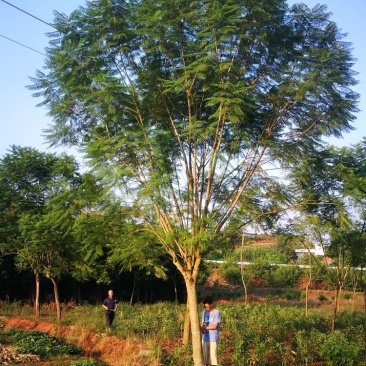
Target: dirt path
(108, 348)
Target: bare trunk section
(308, 283)
(133, 290)
(336, 306)
(36, 302)
(57, 298)
(194, 320)
(186, 328)
(242, 268)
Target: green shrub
(42, 344)
(181, 356)
(323, 298)
(284, 276)
(88, 363)
(338, 350)
(162, 320)
(292, 295)
(305, 346)
(231, 273)
(347, 319)
(258, 270)
(94, 320)
(268, 254)
(273, 335)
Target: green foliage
(338, 350)
(287, 243)
(323, 298)
(180, 356)
(283, 276)
(161, 319)
(177, 104)
(41, 344)
(292, 295)
(269, 254)
(275, 275)
(88, 363)
(205, 271)
(306, 345)
(348, 319)
(231, 273)
(149, 321)
(262, 334)
(269, 334)
(258, 270)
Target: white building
(317, 251)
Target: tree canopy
(183, 106)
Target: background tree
(334, 179)
(351, 166)
(46, 250)
(131, 247)
(182, 107)
(29, 179)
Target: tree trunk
(57, 298)
(186, 328)
(242, 268)
(36, 302)
(307, 298)
(133, 290)
(308, 283)
(174, 280)
(194, 317)
(336, 306)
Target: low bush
(273, 335)
(338, 350)
(88, 363)
(323, 298)
(231, 272)
(292, 295)
(41, 344)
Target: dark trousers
(109, 316)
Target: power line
(12, 40)
(33, 16)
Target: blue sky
(22, 122)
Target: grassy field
(272, 329)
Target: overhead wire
(21, 44)
(33, 16)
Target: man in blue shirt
(210, 328)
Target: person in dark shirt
(110, 306)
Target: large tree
(183, 106)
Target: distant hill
(262, 240)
